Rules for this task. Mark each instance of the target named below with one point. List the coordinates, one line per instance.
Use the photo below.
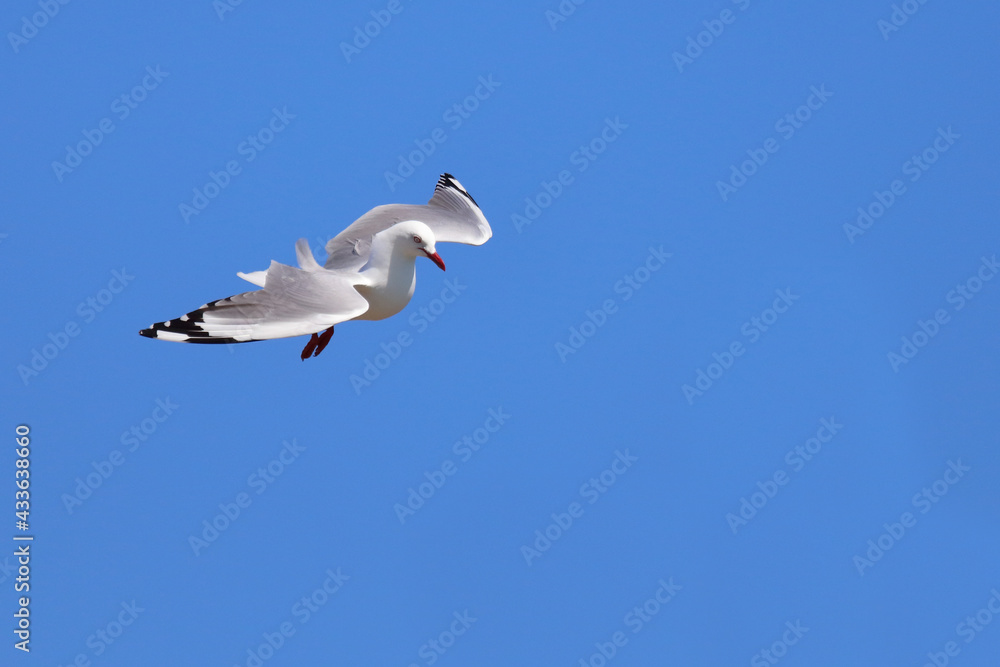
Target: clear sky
(721, 390)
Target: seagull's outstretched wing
(451, 213)
(293, 302)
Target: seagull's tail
(306, 261)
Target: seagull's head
(417, 239)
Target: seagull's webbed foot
(317, 343)
(323, 341)
(307, 351)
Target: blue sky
(720, 390)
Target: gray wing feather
(452, 213)
(293, 302)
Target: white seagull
(369, 274)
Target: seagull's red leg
(323, 341)
(307, 351)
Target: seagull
(369, 274)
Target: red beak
(436, 258)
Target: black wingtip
(148, 333)
(448, 181)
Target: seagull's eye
(416, 239)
